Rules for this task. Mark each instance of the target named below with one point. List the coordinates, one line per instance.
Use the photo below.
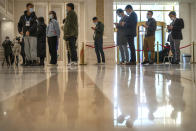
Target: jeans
(175, 48)
(72, 48)
(99, 50)
(132, 48)
(124, 52)
(52, 43)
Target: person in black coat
(7, 46)
(131, 26)
(41, 40)
(27, 26)
(175, 36)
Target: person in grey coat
(121, 37)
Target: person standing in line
(67, 45)
(53, 35)
(121, 37)
(71, 33)
(98, 39)
(27, 26)
(8, 53)
(149, 40)
(175, 36)
(131, 26)
(41, 40)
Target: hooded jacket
(33, 24)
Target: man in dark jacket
(98, 38)
(71, 32)
(27, 26)
(149, 40)
(175, 29)
(131, 27)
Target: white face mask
(31, 10)
(172, 18)
(51, 16)
(148, 17)
(96, 23)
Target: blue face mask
(31, 10)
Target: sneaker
(69, 64)
(75, 63)
(145, 62)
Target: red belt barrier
(109, 47)
(185, 46)
(103, 48)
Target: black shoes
(145, 62)
(151, 62)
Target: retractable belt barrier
(114, 46)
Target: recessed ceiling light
(4, 18)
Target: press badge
(28, 23)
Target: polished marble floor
(98, 98)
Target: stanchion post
(157, 52)
(82, 55)
(118, 57)
(193, 52)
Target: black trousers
(72, 48)
(132, 48)
(99, 50)
(52, 43)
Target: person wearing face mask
(53, 34)
(149, 40)
(121, 37)
(98, 40)
(27, 26)
(71, 33)
(175, 36)
(131, 25)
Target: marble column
(100, 9)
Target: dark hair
(150, 12)
(54, 14)
(95, 18)
(64, 21)
(129, 7)
(120, 11)
(7, 37)
(172, 13)
(29, 4)
(71, 5)
(41, 19)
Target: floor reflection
(98, 98)
(147, 98)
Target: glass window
(152, 7)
